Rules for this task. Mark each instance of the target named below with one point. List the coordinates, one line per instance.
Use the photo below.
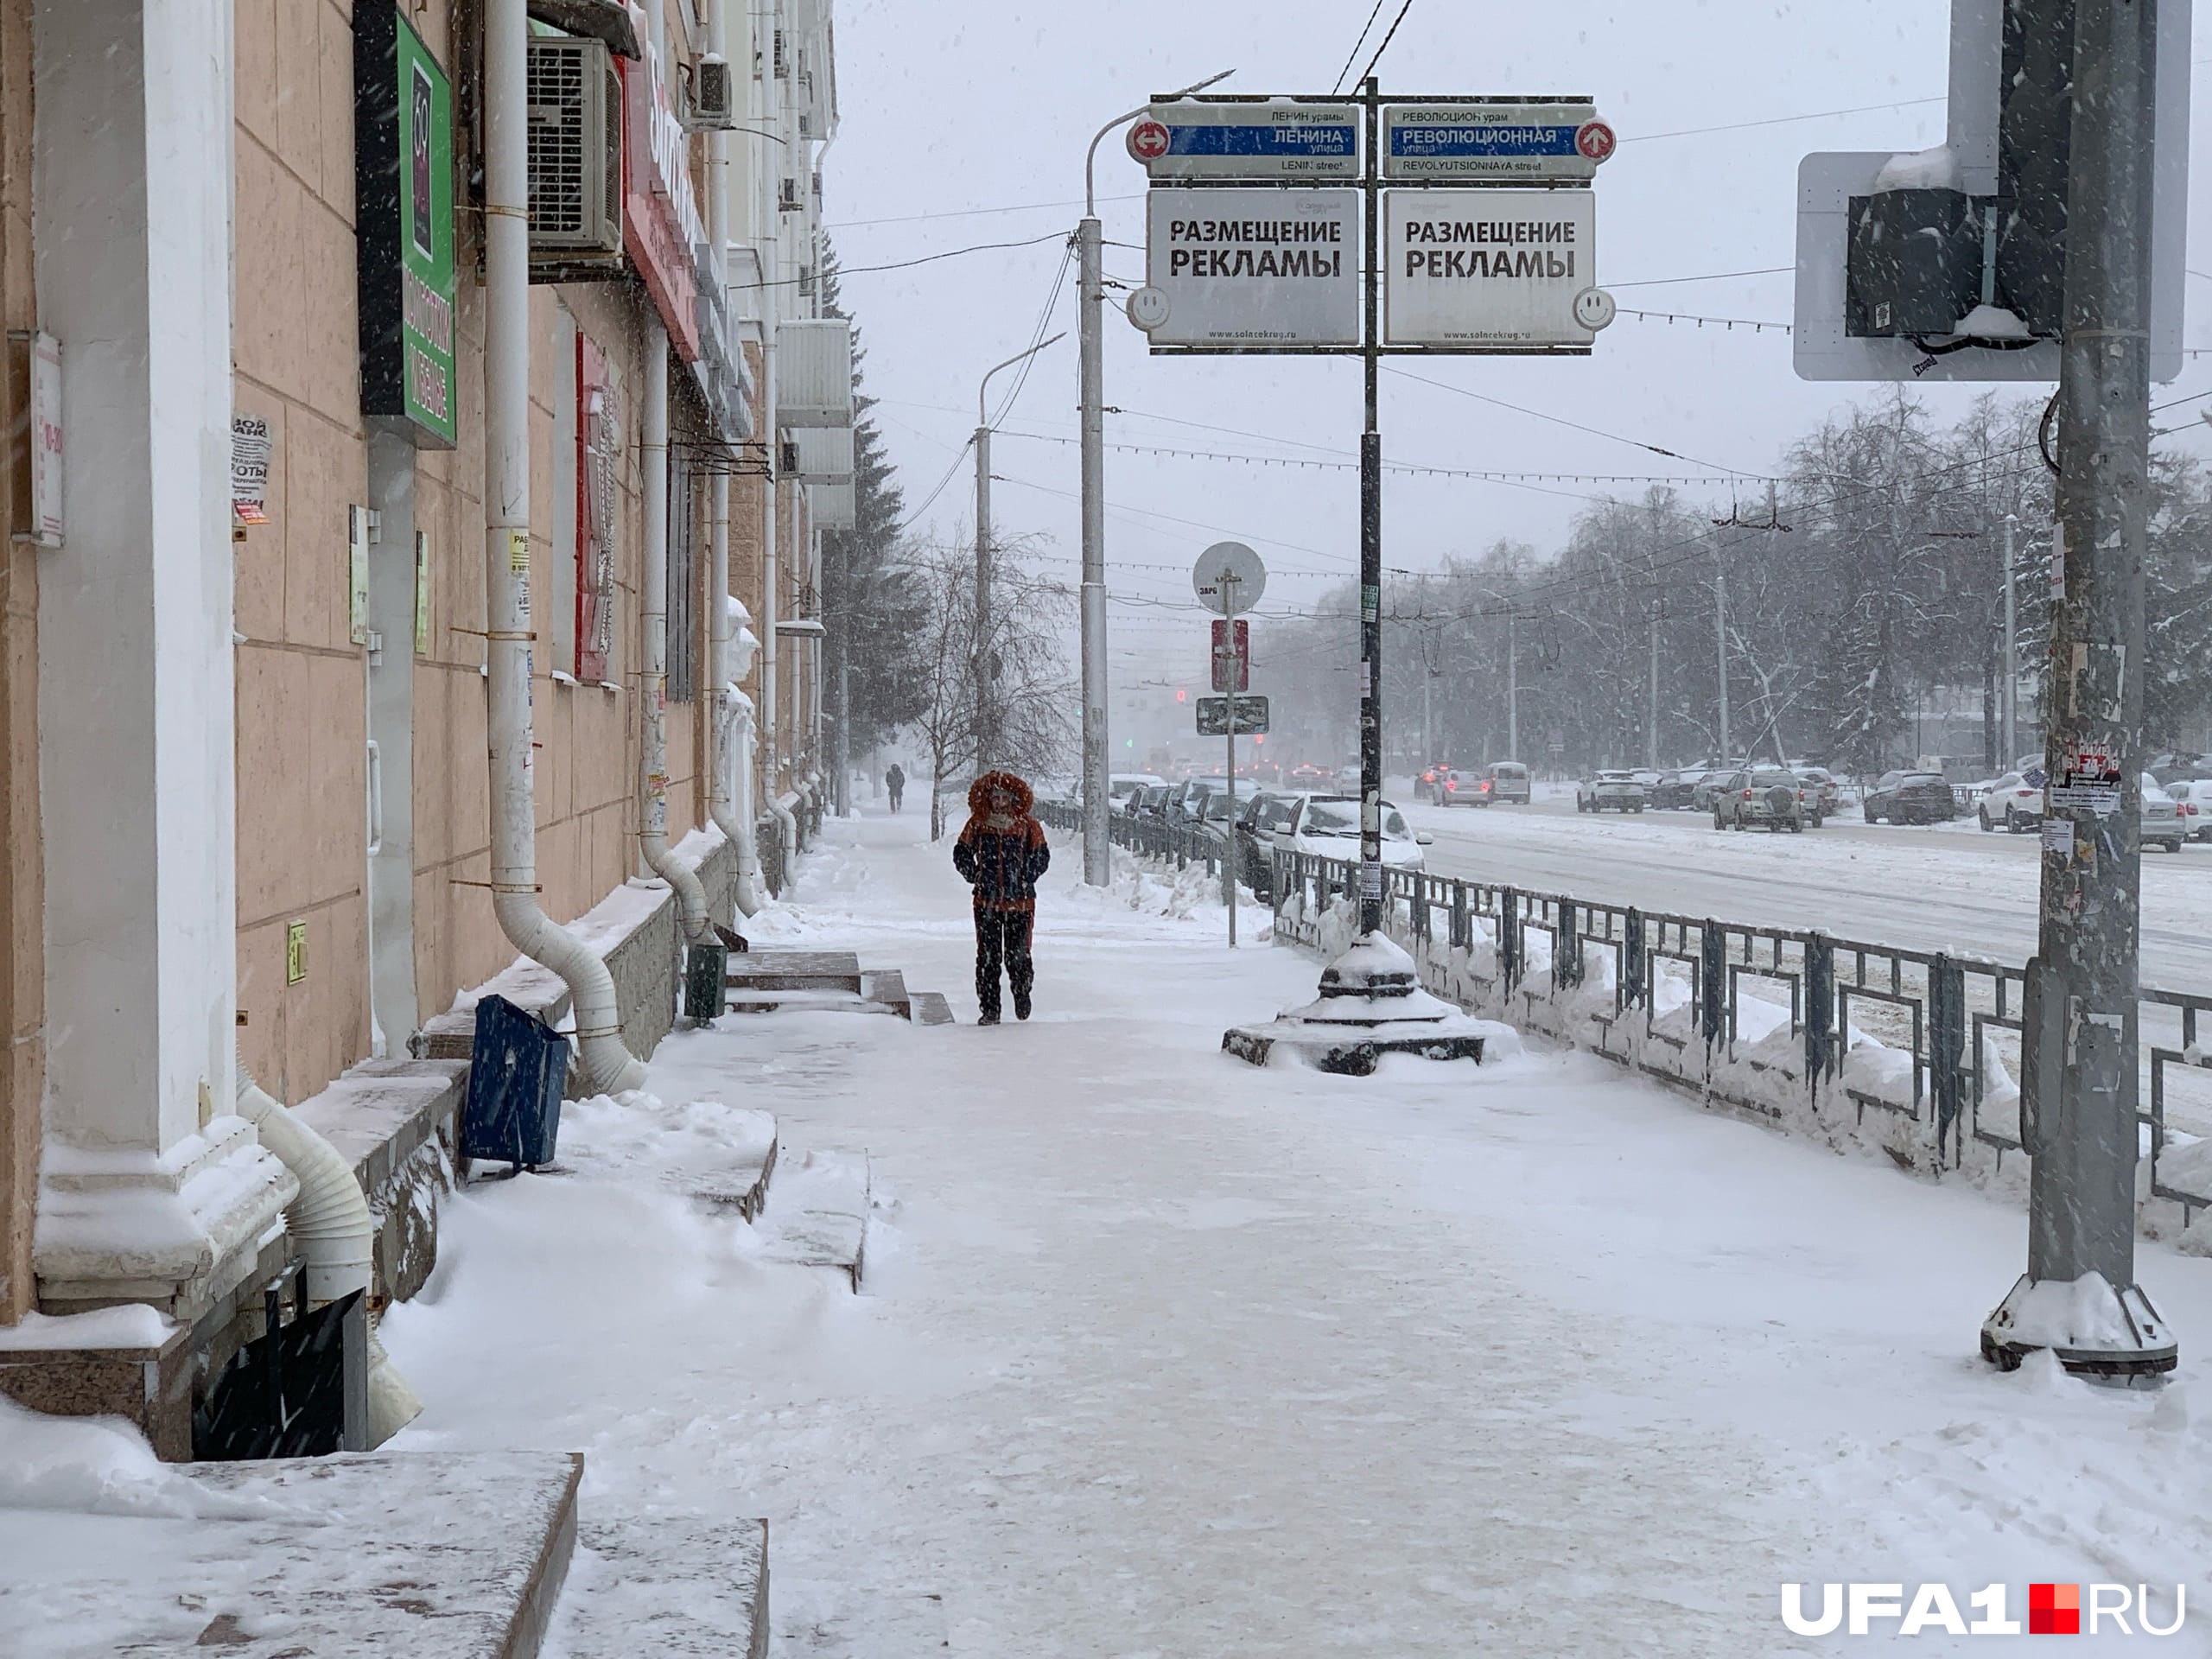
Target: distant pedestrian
(1001, 852)
(895, 781)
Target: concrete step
(667, 1585)
(889, 987)
(801, 1001)
(821, 1216)
(737, 1180)
(794, 971)
(931, 1009)
(451, 1555)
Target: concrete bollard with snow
(1371, 1004)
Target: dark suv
(1911, 798)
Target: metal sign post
(1255, 208)
(1229, 577)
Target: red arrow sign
(1149, 141)
(1595, 140)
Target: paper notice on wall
(250, 450)
(2089, 775)
(2058, 835)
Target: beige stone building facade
(246, 689)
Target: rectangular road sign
(1254, 268)
(1232, 655)
(1213, 716)
(1270, 139)
(1489, 268)
(1508, 142)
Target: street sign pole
(1370, 554)
(2079, 1297)
(1229, 863)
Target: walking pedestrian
(895, 781)
(1001, 852)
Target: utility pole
(1512, 688)
(1720, 644)
(985, 737)
(2008, 697)
(1651, 716)
(2079, 1297)
(1090, 285)
(986, 711)
(1090, 298)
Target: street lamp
(1091, 288)
(986, 725)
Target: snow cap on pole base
(2093, 1329)
(1371, 1004)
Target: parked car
(1327, 826)
(1610, 792)
(1459, 789)
(1349, 779)
(1150, 801)
(1762, 798)
(1257, 820)
(1122, 787)
(2163, 824)
(1709, 785)
(1676, 790)
(1646, 777)
(1823, 792)
(1186, 801)
(1509, 783)
(2015, 802)
(2194, 797)
(1910, 798)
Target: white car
(2164, 827)
(1327, 826)
(1611, 791)
(2194, 797)
(1122, 789)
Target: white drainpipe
(730, 753)
(653, 783)
(606, 1064)
(331, 1223)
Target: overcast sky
(959, 116)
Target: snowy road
(1162, 1357)
(1948, 887)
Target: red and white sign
(1232, 655)
(1149, 141)
(1595, 140)
(660, 216)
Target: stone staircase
(784, 981)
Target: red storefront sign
(660, 216)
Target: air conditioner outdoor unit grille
(716, 97)
(575, 151)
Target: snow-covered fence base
(1863, 1047)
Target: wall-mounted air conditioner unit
(814, 372)
(575, 153)
(714, 95)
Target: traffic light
(1182, 696)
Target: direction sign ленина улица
(1266, 140)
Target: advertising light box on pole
(1254, 268)
(1498, 270)
(1505, 142)
(1260, 139)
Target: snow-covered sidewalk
(1160, 1356)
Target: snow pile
(1920, 169)
(102, 1465)
(1153, 890)
(1990, 322)
(129, 1325)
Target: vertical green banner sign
(402, 145)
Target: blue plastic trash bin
(517, 1066)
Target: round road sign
(1148, 307)
(1149, 141)
(1595, 140)
(1229, 577)
(1594, 309)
